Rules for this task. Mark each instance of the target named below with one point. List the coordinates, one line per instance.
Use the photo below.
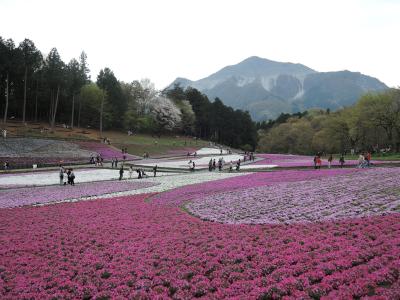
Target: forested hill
(371, 124)
(267, 88)
(35, 87)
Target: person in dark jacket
(121, 172)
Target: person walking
(65, 178)
(368, 158)
(319, 162)
(341, 161)
(155, 171)
(210, 165)
(214, 166)
(69, 176)
(72, 175)
(330, 158)
(238, 165)
(190, 165)
(61, 174)
(130, 172)
(220, 165)
(121, 172)
(230, 166)
(112, 163)
(361, 160)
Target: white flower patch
(167, 183)
(210, 151)
(201, 163)
(52, 177)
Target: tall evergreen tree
(76, 79)
(31, 61)
(8, 58)
(117, 105)
(55, 77)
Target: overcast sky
(164, 39)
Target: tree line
(373, 123)
(43, 88)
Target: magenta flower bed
(197, 191)
(364, 193)
(55, 193)
(104, 150)
(125, 248)
(286, 161)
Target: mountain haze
(267, 88)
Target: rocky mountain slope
(267, 88)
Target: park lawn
(33, 130)
(391, 156)
(136, 144)
(154, 145)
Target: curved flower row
(126, 248)
(105, 151)
(181, 195)
(286, 161)
(364, 193)
(47, 194)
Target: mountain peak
(267, 88)
(255, 59)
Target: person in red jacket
(319, 162)
(369, 158)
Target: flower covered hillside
(355, 194)
(127, 248)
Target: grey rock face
(267, 88)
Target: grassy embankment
(136, 144)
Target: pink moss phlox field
(125, 248)
(104, 150)
(357, 194)
(286, 161)
(55, 193)
(198, 191)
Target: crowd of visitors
(106, 141)
(364, 160)
(67, 176)
(192, 165)
(248, 156)
(98, 160)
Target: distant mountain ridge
(267, 88)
